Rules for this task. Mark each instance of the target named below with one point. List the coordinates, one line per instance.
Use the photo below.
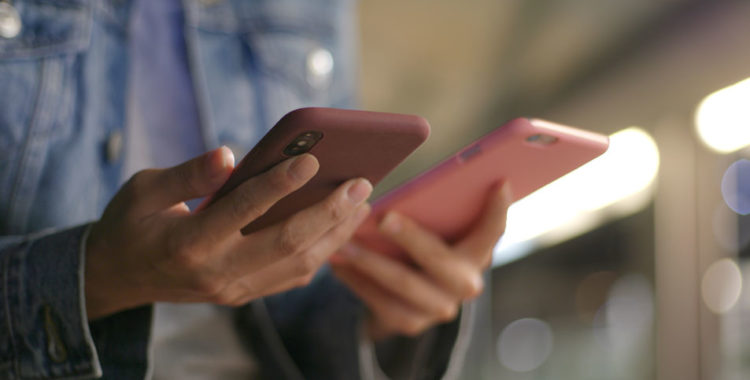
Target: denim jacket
(62, 109)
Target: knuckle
(245, 204)
(448, 312)
(241, 293)
(183, 254)
(249, 288)
(223, 298)
(279, 181)
(406, 282)
(290, 242)
(412, 326)
(335, 210)
(184, 178)
(188, 261)
(303, 281)
(307, 265)
(137, 185)
(140, 178)
(210, 287)
(473, 288)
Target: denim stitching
(33, 152)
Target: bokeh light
(735, 186)
(631, 303)
(721, 286)
(727, 230)
(624, 323)
(525, 344)
(723, 118)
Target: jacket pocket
(298, 52)
(38, 86)
(30, 63)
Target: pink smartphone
(347, 144)
(450, 197)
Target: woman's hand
(149, 247)
(408, 298)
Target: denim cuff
(437, 353)
(44, 331)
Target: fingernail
(219, 161)
(391, 223)
(303, 167)
(359, 190)
(227, 157)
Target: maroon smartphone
(449, 198)
(347, 143)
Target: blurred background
(645, 271)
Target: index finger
(478, 244)
(255, 196)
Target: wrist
(104, 292)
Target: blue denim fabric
(63, 84)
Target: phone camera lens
(303, 143)
(541, 139)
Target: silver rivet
(55, 347)
(10, 21)
(319, 68)
(114, 146)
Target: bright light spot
(721, 286)
(723, 118)
(525, 344)
(623, 326)
(630, 305)
(618, 181)
(319, 67)
(735, 186)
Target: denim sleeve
(44, 330)
(314, 333)
(438, 353)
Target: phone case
(450, 197)
(353, 144)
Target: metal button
(319, 68)
(10, 21)
(114, 146)
(55, 347)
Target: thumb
(198, 177)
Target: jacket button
(55, 347)
(10, 21)
(319, 68)
(114, 146)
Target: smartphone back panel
(350, 144)
(449, 198)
